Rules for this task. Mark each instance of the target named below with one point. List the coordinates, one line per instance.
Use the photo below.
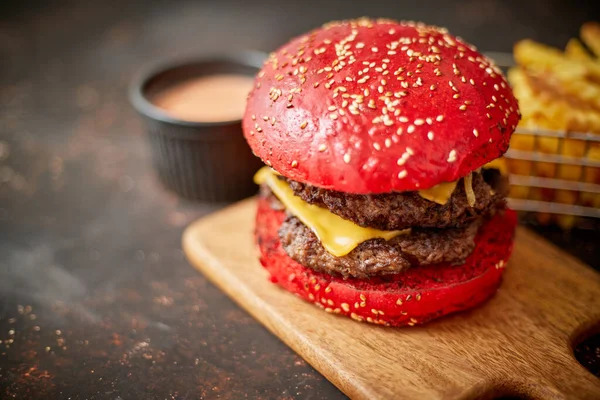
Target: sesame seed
(347, 158)
(399, 131)
(403, 119)
(429, 121)
(401, 161)
(475, 132)
(430, 135)
(374, 49)
(322, 147)
(388, 143)
(333, 116)
(410, 151)
(432, 87)
(410, 129)
(452, 156)
(294, 164)
(399, 302)
(419, 121)
(303, 125)
(360, 45)
(376, 146)
(455, 96)
(402, 174)
(332, 108)
(462, 108)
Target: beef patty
(378, 256)
(392, 211)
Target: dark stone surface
(96, 298)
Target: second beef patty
(378, 256)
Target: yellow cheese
(439, 193)
(337, 235)
(499, 164)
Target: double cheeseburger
(383, 195)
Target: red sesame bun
(375, 106)
(414, 297)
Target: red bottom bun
(413, 297)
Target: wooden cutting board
(519, 343)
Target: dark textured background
(96, 298)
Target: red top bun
(375, 106)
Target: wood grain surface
(517, 344)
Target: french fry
(575, 51)
(573, 78)
(535, 55)
(561, 92)
(590, 33)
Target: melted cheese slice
(441, 193)
(499, 164)
(337, 235)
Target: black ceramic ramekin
(205, 161)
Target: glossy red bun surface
(375, 106)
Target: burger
(383, 194)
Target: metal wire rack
(536, 157)
(534, 180)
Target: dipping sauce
(210, 98)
